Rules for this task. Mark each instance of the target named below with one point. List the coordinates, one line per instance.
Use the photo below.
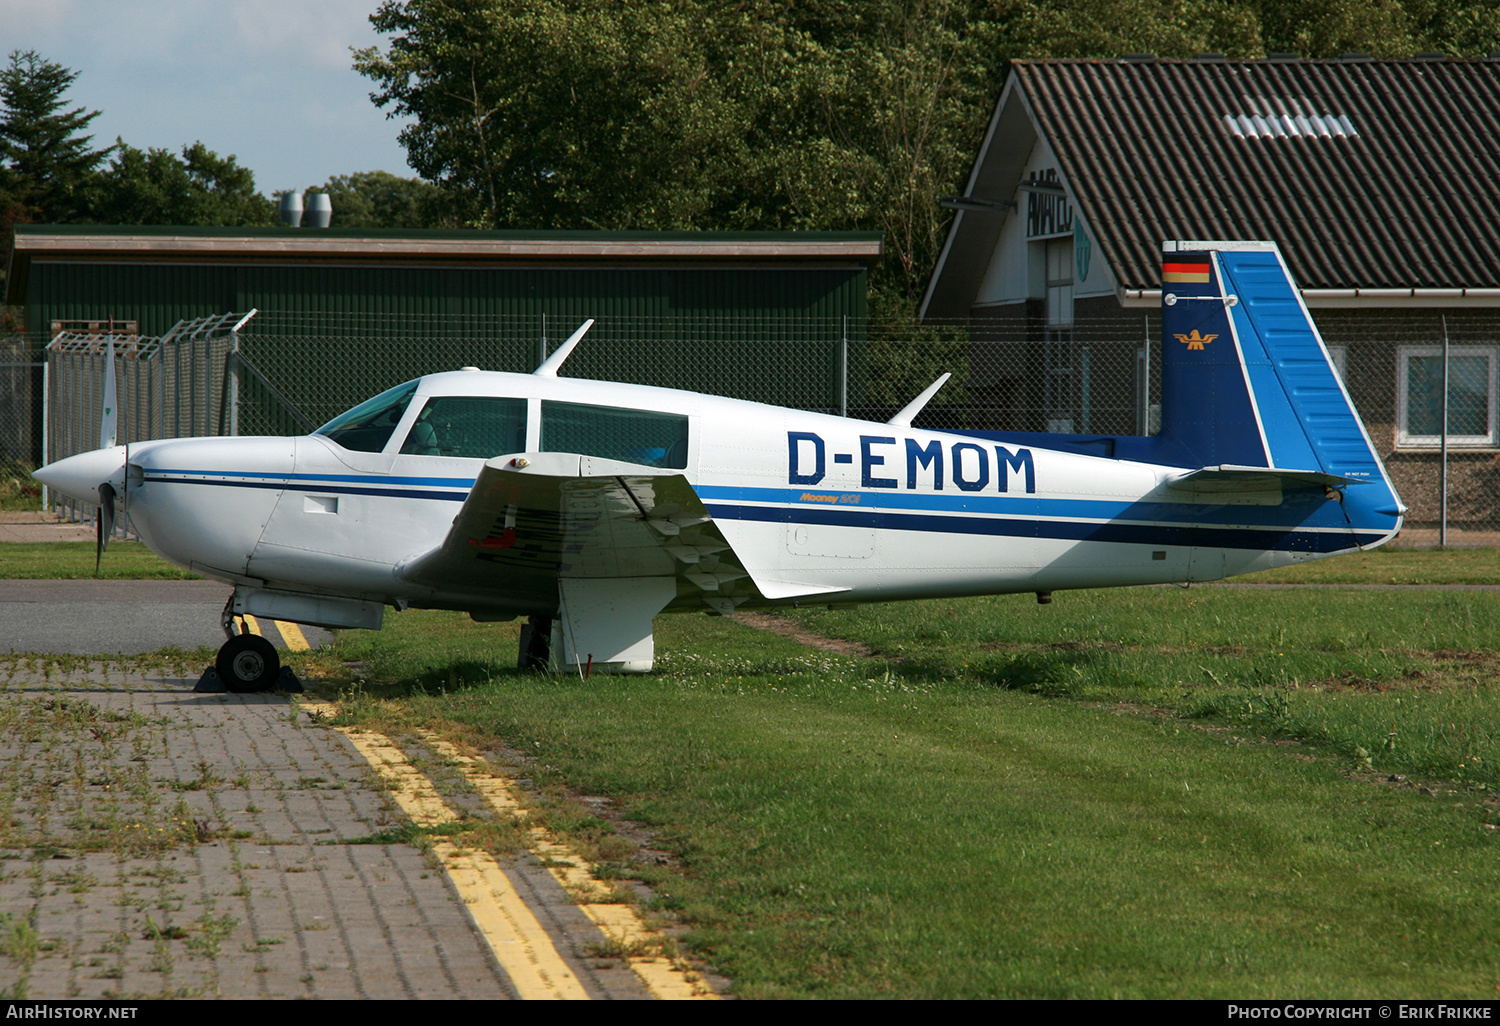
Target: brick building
(1379, 180)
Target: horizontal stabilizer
(1227, 478)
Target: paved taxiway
(167, 843)
(118, 617)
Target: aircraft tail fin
(1248, 383)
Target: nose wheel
(248, 663)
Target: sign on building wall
(1046, 213)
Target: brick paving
(155, 842)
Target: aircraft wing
(535, 519)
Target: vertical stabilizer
(1247, 381)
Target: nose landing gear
(246, 663)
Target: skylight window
(1287, 119)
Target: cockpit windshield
(368, 427)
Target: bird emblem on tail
(1193, 340)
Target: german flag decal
(1192, 269)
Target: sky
(268, 81)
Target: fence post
(177, 380)
(844, 370)
(232, 372)
(208, 383)
(1443, 449)
(46, 419)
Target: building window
(1471, 396)
(1060, 283)
(1059, 355)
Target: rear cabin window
(477, 427)
(368, 427)
(634, 436)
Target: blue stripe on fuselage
(1315, 512)
(1077, 519)
(440, 482)
(1261, 539)
(316, 483)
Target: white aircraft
(591, 507)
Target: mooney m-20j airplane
(591, 507)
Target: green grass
(75, 560)
(1382, 671)
(1381, 566)
(1100, 798)
(18, 491)
(1151, 792)
(1388, 565)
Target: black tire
(248, 663)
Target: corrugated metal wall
(369, 327)
(306, 299)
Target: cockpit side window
(468, 426)
(368, 427)
(634, 436)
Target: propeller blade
(109, 417)
(104, 523)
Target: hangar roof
(358, 246)
(1369, 174)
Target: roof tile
(1412, 199)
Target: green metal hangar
(344, 313)
(361, 280)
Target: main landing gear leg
(536, 643)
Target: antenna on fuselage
(911, 409)
(549, 366)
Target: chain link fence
(286, 374)
(1002, 379)
(21, 376)
(170, 386)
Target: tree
(45, 158)
(546, 113)
(379, 199)
(788, 114)
(692, 114)
(901, 106)
(156, 187)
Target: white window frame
(1407, 440)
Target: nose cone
(79, 477)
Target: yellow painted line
(253, 624)
(292, 635)
(521, 944)
(625, 932)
